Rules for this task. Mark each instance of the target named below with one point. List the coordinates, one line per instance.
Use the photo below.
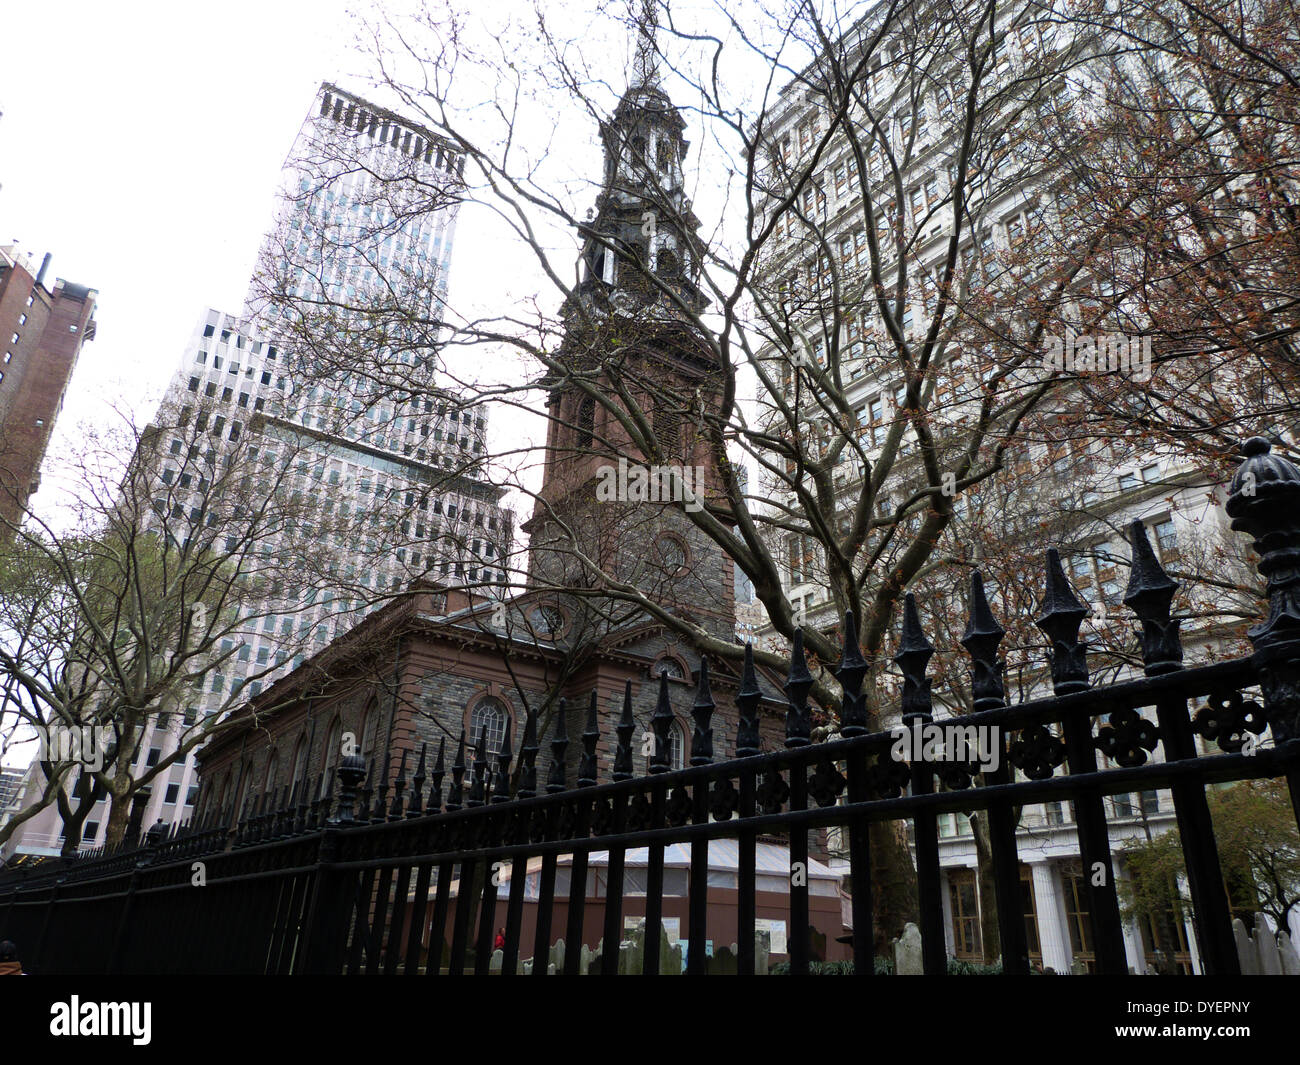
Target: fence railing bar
(393, 948)
(438, 926)
(514, 917)
(419, 911)
(545, 912)
(460, 923)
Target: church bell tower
(620, 484)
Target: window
(586, 420)
(1151, 473)
(1166, 538)
(172, 794)
(965, 913)
(1127, 482)
(489, 721)
(676, 747)
(1078, 918)
(1030, 909)
(802, 558)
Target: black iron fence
(446, 870)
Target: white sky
(141, 144)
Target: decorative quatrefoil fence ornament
(1225, 719)
(724, 800)
(826, 784)
(1127, 737)
(1036, 752)
(773, 792)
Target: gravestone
(723, 962)
(1264, 954)
(1078, 968)
(907, 952)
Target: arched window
(676, 747)
(369, 726)
(333, 754)
(272, 765)
(669, 666)
(299, 767)
(245, 782)
(489, 718)
(223, 794)
(586, 420)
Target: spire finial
(645, 64)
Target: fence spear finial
(1062, 614)
(981, 639)
(702, 712)
(850, 673)
(747, 700)
(798, 718)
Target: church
(441, 673)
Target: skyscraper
(320, 405)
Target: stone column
(1053, 937)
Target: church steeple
(643, 222)
(645, 64)
(629, 331)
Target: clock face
(672, 555)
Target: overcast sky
(141, 144)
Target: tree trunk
(893, 882)
(990, 933)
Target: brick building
(42, 329)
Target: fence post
(326, 925)
(1263, 501)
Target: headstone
(671, 961)
(1245, 948)
(907, 952)
(723, 963)
(816, 945)
(761, 954)
(1287, 952)
(494, 964)
(1270, 961)
(1078, 968)
(557, 956)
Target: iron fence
(403, 878)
